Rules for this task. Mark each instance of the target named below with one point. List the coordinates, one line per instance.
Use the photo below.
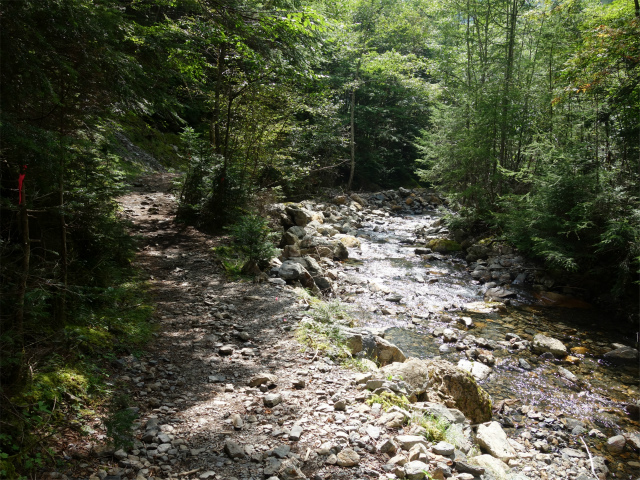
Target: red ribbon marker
(20, 180)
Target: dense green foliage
(536, 130)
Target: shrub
(254, 239)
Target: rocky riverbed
(226, 392)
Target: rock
(568, 375)
(392, 420)
(498, 294)
(416, 470)
(234, 450)
(323, 283)
(340, 406)
(387, 446)
(340, 251)
(442, 382)
(374, 346)
(358, 199)
(348, 458)
(226, 350)
(290, 251)
(444, 245)
(443, 448)
(236, 421)
(479, 370)
(348, 240)
(300, 216)
(524, 364)
(296, 432)
(466, 467)
(633, 440)
(542, 344)
(272, 399)
(290, 471)
(263, 379)
(290, 270)
(622, 354)
(405, 442)
(616, 444)
(452, 415)
(373, 432)
(496, 467)
(493, 439)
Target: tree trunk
(24, 271)
(353, 128)
(62, 299)
(214, 128)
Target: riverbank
(225, 391)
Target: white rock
(493, 439)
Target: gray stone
(387, 446)
(439, 381)
(236, 421)
(416, 470)
(272, 399)
(524, 364)
(290, 471)
(282, 451)
(443, 448)
(480, 371)
(498, 294)
(465, 467)
(407, 441)
(296, 432)
(226, 350)
(543, 344)
(234, 450)
(568, 375)
(616, 444)
(492, 465)
(492, 438)
(373, 432)
(290, 270)
(622, 354)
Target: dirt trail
(213, 337)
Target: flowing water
(406, 294)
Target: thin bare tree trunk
(24, 271)
(353, 128)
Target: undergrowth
(321, 329)
(65, 385)
(388, 400)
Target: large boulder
(622, 354)
(375, 347)
(498, 469)
(442, 382)
(291, 270)
(494, 441)
(340, 251)
(543, 344)
(348, 240)
(300, 216)
(443, 245)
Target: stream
(408, 296)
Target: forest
(526, 115)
